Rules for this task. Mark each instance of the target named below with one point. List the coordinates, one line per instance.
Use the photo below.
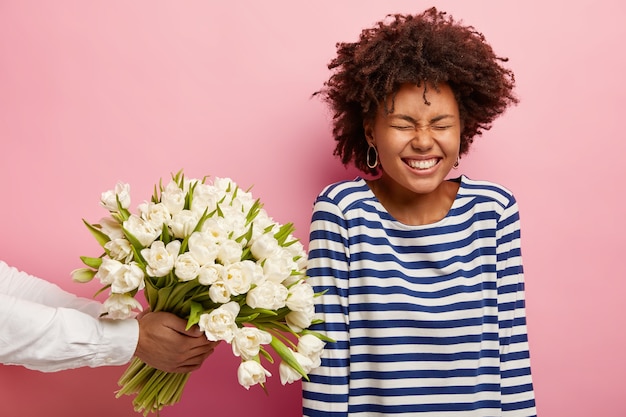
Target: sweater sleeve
(518, 399)
(326, 394)
(45, 328)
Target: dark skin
(165, 344)
(429, 48)
(417, 145)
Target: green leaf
(247, 254)
(182, 291)
(189, 196)
(266, 355)
(183, 246)
(277, 325)
(202, 220)
(284, 232)
(165, 234)
(246, 310)
(254, 211)
(179, 178)
(121, 211)
(155, 197)
(234, 197)
(287, 355)
(319, 335)
(248, 235)
(151, 292)
(101, 238)
(194, 314)
(247, 319)
(91, 262)
(163, 295)
(136, 245)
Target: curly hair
(429, 48)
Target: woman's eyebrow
(403, 117)
(410, 119)
(441, 117)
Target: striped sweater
(428, 320)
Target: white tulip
(109, 198)
(120, 306)
(157, 214)
(288, 374)
(267, 295)
(248, 340)
(160, 258)
(311, 347)
(173, 198)
(204, 247)
(211, 273)
(183, 223)
(251, 373)
(218, 293)
(220, 324)
(186, 267)
(300, 297)
(143, 231)
(119, 249)
(127, 278)
(300, 320)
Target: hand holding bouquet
(209, 253)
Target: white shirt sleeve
(45, 328)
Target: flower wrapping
(207, 252)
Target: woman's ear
(368, 128)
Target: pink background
(92, 92)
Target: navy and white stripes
(429, 320)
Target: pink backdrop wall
(100, 91)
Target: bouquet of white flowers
(207, 252)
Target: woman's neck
(413, 208)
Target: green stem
(153, 388)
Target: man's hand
(165, 344)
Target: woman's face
(417, 143)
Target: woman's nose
(422, 139)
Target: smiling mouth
(422, 164)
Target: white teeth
(422, 164)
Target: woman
(423, 278)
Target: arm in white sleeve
(27, 287)
(51, 339)
(55, 335)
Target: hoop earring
(370, 164)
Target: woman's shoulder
(487, 190)
(345, 193)
(341, 188)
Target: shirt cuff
(121, 338)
